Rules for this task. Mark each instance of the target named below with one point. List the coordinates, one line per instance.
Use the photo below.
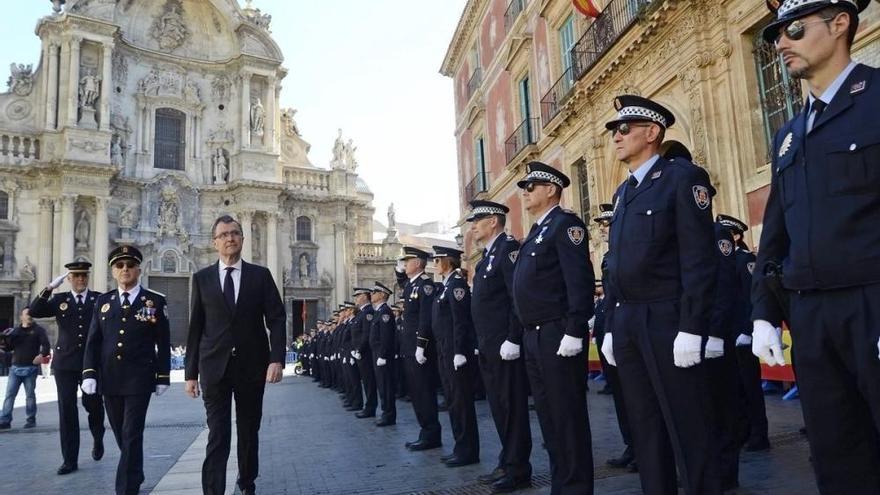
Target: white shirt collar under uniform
(644, 168)
(546, 213)
(132, 293)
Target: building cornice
(457, 46)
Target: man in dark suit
(73, 314)
(127, 358)
(228, 350)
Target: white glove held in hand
(380, 362)
(509, 351)
(686, 349)
(570, 346)
(767, 343)
(459, 360)
(89, 386)
(608, 349)
(878, 348)
(714, 348)
(420, 355)
(56, 283)
(160, 389)
(743, 340)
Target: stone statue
(21, 82)
(221, 167)
(392, 223)
(350, 160)
(338, 152)
(116, 157)
(258, 115)
(257, 247)
(220, 88)
(83, 230)
(169, 212)
(89, 90)
(169, 29)
(127, 217)
(304, 266)
(191, 92)
(290, 126)
(27, 271)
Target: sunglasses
(530, 187)
(624, 128)
(119, 265)
(796, 29)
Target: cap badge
(701, 197)
(125, 249)
(576, 235)
(786, 144)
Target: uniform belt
(648, 301)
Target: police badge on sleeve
(725, 246)
(370, 317)
(458, 293)
(576, 235)
(512, 255)
(429, 289)
(701, 197)
(386, 318)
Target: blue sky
(368, 67)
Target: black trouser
(384, 376)
(835, 334)
(355, 392)
(752, 393)
(508, 396)
(218, 397)
(422, 391)
(66, 383)
(727, 412)
(458, 386)
(368, 379)
(127, 414)
(559, 386)
(613, 381)
(668, 407)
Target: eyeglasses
(228, 235)
(796, 29)
(624, 128)
(119, 265)
(530, 187)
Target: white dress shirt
(132, 294)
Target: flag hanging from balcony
(586, 7)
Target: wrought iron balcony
(479, 184)
(474, 82)
(514, 9)
(552, 102)
(525, 134)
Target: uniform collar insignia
(657, 174)
(786, 144)
(857, 87)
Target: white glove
(509, 351)
(56, 283)
(714, 348)
(459, 360)
(333, 357)
(160, 389)
(743, 340)
(476, 352)
(345, 360)
(89, 386)
(311, 356)
(767, 343)
(399, 268)
(608, 349)
(570, 346)
(326, 358)
(420, 355)
(355, 354)
(380, 362)
(686, 349)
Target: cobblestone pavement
(310, 445)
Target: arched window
(303, 229)
(4, 205)
(170, 139)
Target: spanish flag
(586, 7)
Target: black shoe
(248, 491)
(410, 444)
(30, 424)
(365, 414)
(98, 449)
(606, 391)
(5, 426)
(67, 469)
(508, 484)
(633, 467)
(758, 445)
(490, 478)
(421, 445)
(385, 422)
(624, 459)
(353, 408)
(459, 461)
(444, 458)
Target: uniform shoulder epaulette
(425, 277)
(510, 238)
(569, 211)
(156, 292)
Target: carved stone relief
(21, 80)
(169, 28)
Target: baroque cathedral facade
(143, 121)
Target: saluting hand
(273, 373)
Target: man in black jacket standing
(29, 344)
(233, 303)
(73, 314)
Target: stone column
(73, 84)
(340, 276)
(44, 258)
(56, 239)
(269, 134)
(246, 217)
(99, 277)
(272, 247)
(68, 205)
(106, 85)
(52, 88)
(245, 110)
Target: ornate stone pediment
(171, 84)
(169, 28)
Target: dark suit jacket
(215, 329)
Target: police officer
(417, 348)
(453, 332)
(553, 286)
(355, 395)
(749, 366)
(73, 314)
(382, 349)
(820, 225)
(127, 358)
(361, 351)
(660, 284)
(500, 342)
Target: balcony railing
(479, 184)
(307, 181)
(514, 9)
(525, 134)
(18, 149)
(474, 82)
(552, 102)
(369, 251)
